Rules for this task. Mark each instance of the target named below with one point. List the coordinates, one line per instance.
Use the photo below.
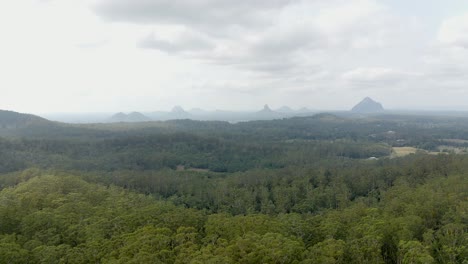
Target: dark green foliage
(63, 219)
(299, 190)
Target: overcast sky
(148, 55)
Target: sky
(149, 55)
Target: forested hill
(14, 120)
(19, 125)
(221, 146)
(317, 127)
(321, 189)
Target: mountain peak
(132, 117)
(266, 108)
(368, 105)
(120, 115)
(178, 110)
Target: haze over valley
(365, 107)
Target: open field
(456, 141)
(456, 150)
(183, 168)
(404, 151)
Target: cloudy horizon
(150, 55)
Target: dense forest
(319, 189)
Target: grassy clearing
(183, 168)
(403, 151)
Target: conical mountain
(265, 114)
(178, 113)
(178, 110)
(266, 109)
(368, 105)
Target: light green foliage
(413, 252)
(330, 251)
(79, 222)
(267, 248)
(11, 250)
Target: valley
(323, 188)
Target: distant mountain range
(266, 113)
(366, 106)
(199, 114)
(131, 117)
(176, 113)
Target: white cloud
(453, 31)
(210, 53)
(446, 60)
(345, 15)
(185, 40)
(296, 36)
(204, 14)
(375, 75)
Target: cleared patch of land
(403, 151)
(452, 149)
(183, 168)
(456, 141)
